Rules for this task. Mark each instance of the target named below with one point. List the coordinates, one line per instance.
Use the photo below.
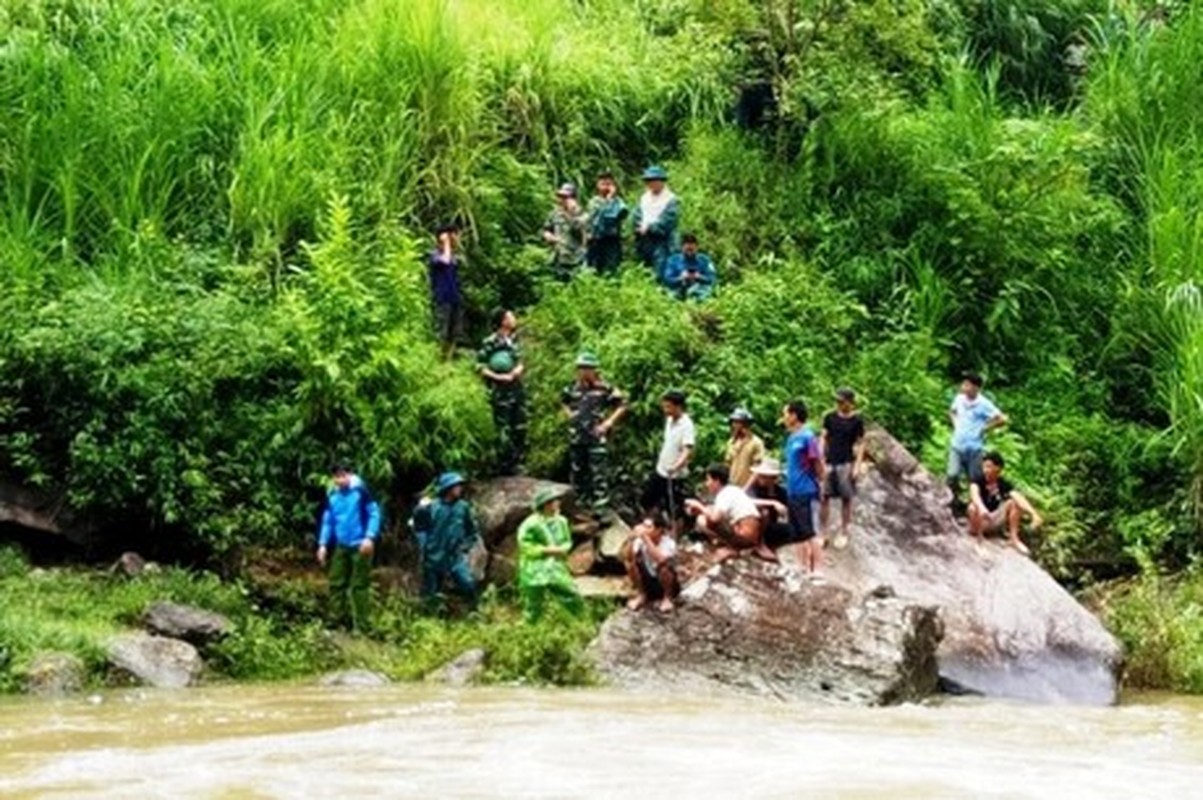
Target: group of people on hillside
(589, 237)
(750, 503)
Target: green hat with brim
(545, 494)
(448, 480)
(655, 173)
(587, 360)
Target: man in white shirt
(651, 564)
(665, 488)
(732, 523)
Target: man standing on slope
(803, 477)
(744, 449)
(500, 362)
(655, 220)
(447, 297)
(843, 445)
(587, 402)
(565, 230)
(973, 416)
(606, 213)
(666, 487)
(346, 540)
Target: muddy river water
(418, 741)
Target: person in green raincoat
(450, 533)
(544, 541)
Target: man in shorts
(771, 500)
(973, 416)
(732, 523)
(843, 444)
(804, 476)
(995, 505)
(651, 564)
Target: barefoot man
(733, 522)
(995, 505)
(651, 564)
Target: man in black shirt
(995, 505)
(772, 502)
(843, 442)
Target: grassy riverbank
(75, 610)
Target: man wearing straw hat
(772, 501)
(544, 542)
(656, 219)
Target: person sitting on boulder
(772, 501)
(544, 542)
(450, 536)
(995, 505)
(732, 523)
(651, 564)
(690, 275)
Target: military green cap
(545, 494)
(587, 360)
(655, 173)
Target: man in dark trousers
(500, 363)
(346, 540)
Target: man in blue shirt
(804, 474)
(446, 294)
(690, 275)
(346, 540)
(973, 416)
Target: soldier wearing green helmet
(544, 542)
(592, 407)
(499, 361)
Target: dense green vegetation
(212, 215)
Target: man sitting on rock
(689, 274)
(994, 505)
(772, 501)
(544, 542)
(732, 523)
(651, 564)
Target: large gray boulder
(763, 629)
(194, 625)
(502, 503)
(1009, 629)
(155, 660)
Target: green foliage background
(212, 218)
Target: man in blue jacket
(690, 275)
(346, 540)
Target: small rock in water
(155, 660)
(354, 679)
(54, 674)
(462, 670)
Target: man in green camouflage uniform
(566, 231)
(607, 212)
(586, 403)
(500, 362)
